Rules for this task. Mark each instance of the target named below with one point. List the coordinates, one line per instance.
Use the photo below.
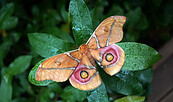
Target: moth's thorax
(83, 49)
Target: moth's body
(84, 50)
(79, 65)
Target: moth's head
(83, 48)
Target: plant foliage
(64, 26)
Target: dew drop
(58, 63)
(106, 29)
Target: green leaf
(47, 45)
(128, 84)
(6, 86)
(56, 87)
(32, 73)
(64, 13)
(123, 82)
(45, 95)
(98, 95)
(58, 33)
(9, 23)
(19, 65)
(81, 20)
(95, 20)
(72, 94)
(6, 12)
(138, 56)
(145, 77)
(131, 99)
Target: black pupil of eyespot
(106, 57)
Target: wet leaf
(98, 95)
(58, 33)
(72, 94)
(123, 82)
(47, 45)
(138, 56)
(81, 20)
(95, 20)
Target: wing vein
(107, 42)
(72, 68)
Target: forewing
(110, 58)
(86, 76)
(108, 32)
(58, 68)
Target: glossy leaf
(58, 33)
(128, 84)
(123, 82)
(47, 45)
(5, 86)
(145, 77)
(72, 94)
(32, 73)
(131, 99)
(19, 65)
(138, 56)
(81, 20)
(95, 20)
(98, 95)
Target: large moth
(79, 65)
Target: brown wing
(110, 58)
(86, 76)
(58, 68)
(108, 32)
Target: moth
(79, 66)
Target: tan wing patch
(108, 32)
(57, 68)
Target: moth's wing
(86, 76)
(110, 58)
(108, 32)
(58, 68)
